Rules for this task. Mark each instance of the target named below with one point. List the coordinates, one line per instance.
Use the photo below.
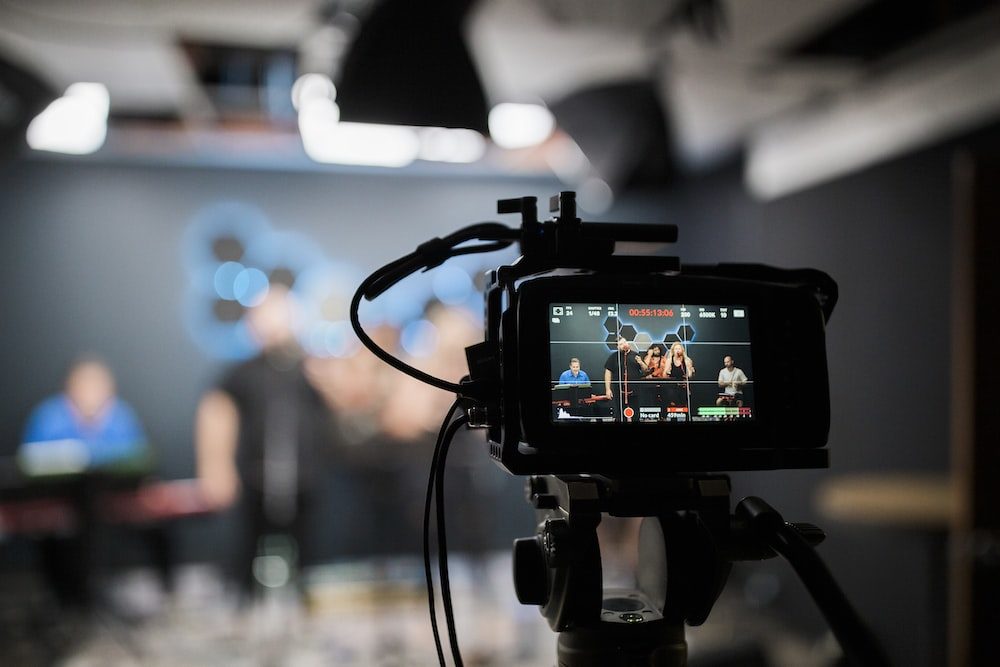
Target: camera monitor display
(650, 363)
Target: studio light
(76, 123)
(520, 125)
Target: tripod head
(688, 541)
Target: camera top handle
(566, 242)
(566, 237)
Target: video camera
(622, 385)
(654, 341)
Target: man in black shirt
(622, 368)
(261, 438)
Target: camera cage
(565, 259)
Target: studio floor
(368, 613)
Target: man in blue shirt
(84, 428)
(574, 375)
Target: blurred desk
(918, 511)
(69, 518)
(50, 507)
(910, 500)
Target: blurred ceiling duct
(874, 123)
(622, 130)
(244, 83)
(931, 72)
(877, 30)
(409, 65)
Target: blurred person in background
(387, 422)
(369, 498)
(86, 427)
(452, 330)
(75, 444)
(262, 437)
(354, 386)
(472, 483)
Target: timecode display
(651, 312)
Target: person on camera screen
(731, 382)
(656, 361)
(573, 375)
(622, 367)
(680, 369)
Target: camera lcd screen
(650, 363)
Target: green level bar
(719, 412)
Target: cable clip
(434, 252)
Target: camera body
(705, 368)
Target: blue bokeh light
(220, 340)
(238, 220)
(452, 285)
(257, 253)
(250, 287)
(339, 340)
(224, 280)
(272, 249)
(419, 338)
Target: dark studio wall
(884, 235)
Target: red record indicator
(628, 412)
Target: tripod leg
(856, 640)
